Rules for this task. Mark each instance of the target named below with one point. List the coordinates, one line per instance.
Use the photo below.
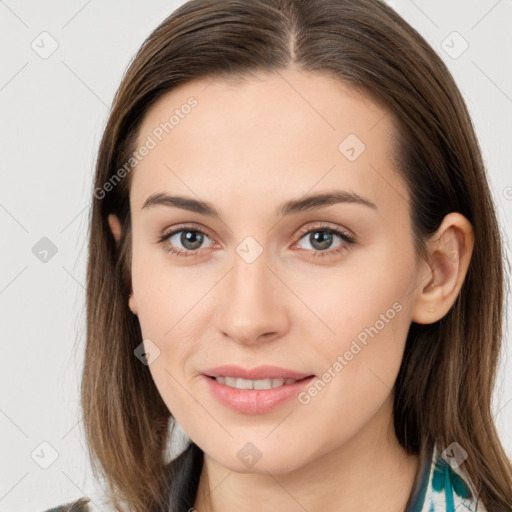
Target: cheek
(350, 299)
(370, 318)
(367, 310)
(170, 300)
(164, 292)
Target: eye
(322, 237)
(189, 237)
(187, 241)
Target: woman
(294, 256)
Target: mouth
(257, 374)
(240, 383)
(255, 391)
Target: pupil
(323, 240)
(191, 237)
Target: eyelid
(166, 233)
(323, 226)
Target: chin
(256, 459)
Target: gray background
(53, 110)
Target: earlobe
(115, 226)
(131, 304)
(449, 252)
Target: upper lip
(257, 373)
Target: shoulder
(80, 505)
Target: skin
(246, 148)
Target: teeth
(253, 384)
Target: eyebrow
(307, 203)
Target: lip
(259, 372)
(255, 401)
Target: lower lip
(255, 401)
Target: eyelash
(345, 237)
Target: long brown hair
(444, 388)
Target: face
(322, 289)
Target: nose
(252, 304)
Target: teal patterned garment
(445, 489)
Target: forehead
(288, 129)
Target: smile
(240, 383)
(259, 396)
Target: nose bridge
(249, 305)
(250, 280)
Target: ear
(115, 226)
(449, 255)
